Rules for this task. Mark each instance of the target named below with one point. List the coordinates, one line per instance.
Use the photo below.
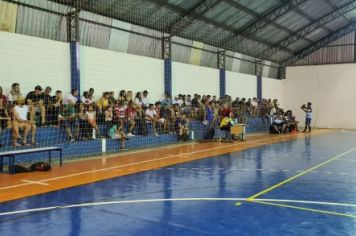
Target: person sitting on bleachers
(151, 118)
(145, 100)
(112, 100)
(85, 98)
(109, 120)
(131, 116)
(55, 108)
(3, 98)
(91, 118)
(226, 123)
(83, 129)
(182, 128)
(122, 97)
(14, 94)
(167, 101)
(291, 122)
(254, 107)
(129, 95)
(20, 121)
(278, 125)
(4, 118)
(120, 116)
(103, 102)
(160, 119)
(34, 101)
(68, 113)
(47, 102)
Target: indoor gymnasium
(177, 117)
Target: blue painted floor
(199, 193)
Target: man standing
(308, 116)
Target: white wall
(241, 85)
(106, 70)
(191, 79)
(33, 61)
(273, 89)
(331, 89)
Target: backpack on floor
(40, 166)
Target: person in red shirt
(131, 114)
(3, 98)
(225, 110)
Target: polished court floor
(304, 186)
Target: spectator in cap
(35, 102)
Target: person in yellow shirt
(103, 102)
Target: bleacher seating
(56, 137)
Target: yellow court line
(299, 175)
(304, 209)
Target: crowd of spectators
(127, 114)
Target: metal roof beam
(258, 16)
(310, 28)
(272, 15)
(198, 10)
(264, 20)
(182, 12)
(334, 7)
(229, 29)
(310, 19)
(320, 44)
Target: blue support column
(259, 87)
(168, 76)
(222, 82)
(75, 65)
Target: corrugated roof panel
(259, 6)
(351, 15)
(293, 21)
(271, 34)
(337, 23)
(329, 55)
(49, 5)
(317, 34)
(228, 15)
(280, 56)
(253, 47)
(209, 59)
(298, 45)
(93, 35)
(141, 45)
(185, 4)
(344, 40)
(194, 30)
(339, 2)
(41, 24)
(315, 8)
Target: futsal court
(177, 117)
(301, 186)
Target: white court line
(91, 204)
(34, 182)
(136, 163)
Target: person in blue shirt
(308, 116)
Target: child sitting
(91, 118)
